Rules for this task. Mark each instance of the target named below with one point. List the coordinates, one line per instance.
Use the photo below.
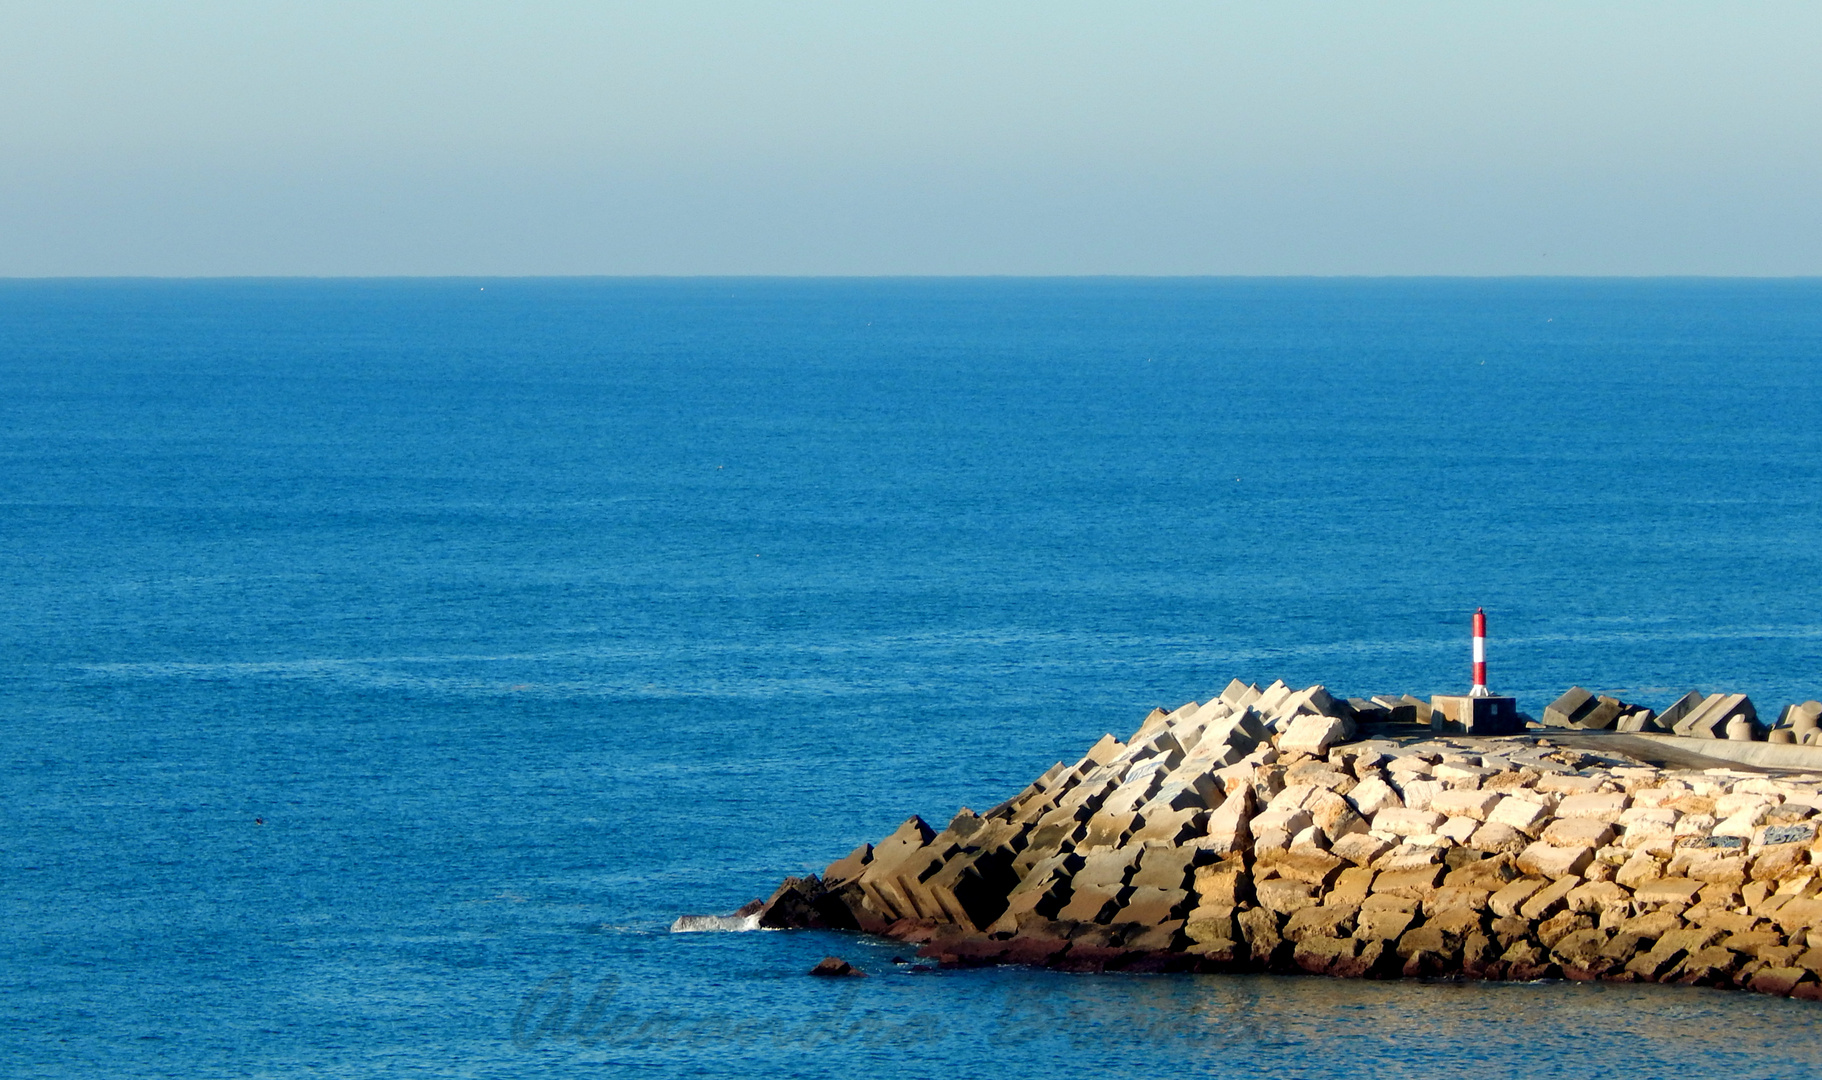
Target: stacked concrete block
(1716, 716)
(1581, 710)
(1246, 834)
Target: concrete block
(1418, 793)
(1150, 906)
(1381, 924)
(1505, 901)
(1165, 867)
(1546, 860)
(1361, 849)
(1373, 795)
(1488, 716)
(1313, 868)
(1458, 829)
(1711, 719)
(1460, 776)
(1500, 838)
(1314, 734)
(1408, 857)
(1563, 712)
(1473, 804)
(1549, 901)
(1415, 883)
(1325, 920)
(1224, 884)
(1563, 784)
(848, 867)
(1607, 901)
(1351, 887)
(1679, 709)
(1639, 720)
(1171, 827)
(1211, 923)
(1284, 895)
(1108, 830)
(1522, 814)
(1578, 832)
(1093, 903)
(1667, 890)
(1601, 806)
(1602, 716)
(1403, 821)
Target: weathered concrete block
(1408, 857)
(1578, 832)
(1524, 815)
(1491, 874)
(1211, 924)
(1564, 711)
(1259, 928)
(1108, 830)
(1284, 895)
(1546, 860)
(1171, 827)
(1781, 981)
(1668, 890)
(1403, 821)
(1466, 803)
(1638, 870)
(1500, 838)
(848, 867)
(1563, 923)
(1313, 868)
(1680, 709)
(1149, 906)
(1416, 883)
(1418, 793)
(1598, 806)
(1458, 829)
(1323, 921)
(1093, 903)
(1326, 955)
(1351, 887)
(1780, 862)
(1313, 734)
(1639, 720)
(1605, 900)
(1709, 721)
(1373, 795)
(1361, 849)
(1165, 868)
(1602, 716)
(1226, 884)
(1382, 924)
(1289, 822)
(1548, 901)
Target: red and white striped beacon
(1480, 655)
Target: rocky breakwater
(1262, 832)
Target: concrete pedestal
(1475, 715)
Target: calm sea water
(384, 665)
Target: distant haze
(331, 138)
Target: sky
(690, 137)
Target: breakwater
(1286, 830)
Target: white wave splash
(715, 924)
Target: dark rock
(834, 967)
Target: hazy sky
(682, 137)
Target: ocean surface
(384, 665)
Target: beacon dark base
(1475, 715)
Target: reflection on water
(919, 1021)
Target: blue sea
(384, 665)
